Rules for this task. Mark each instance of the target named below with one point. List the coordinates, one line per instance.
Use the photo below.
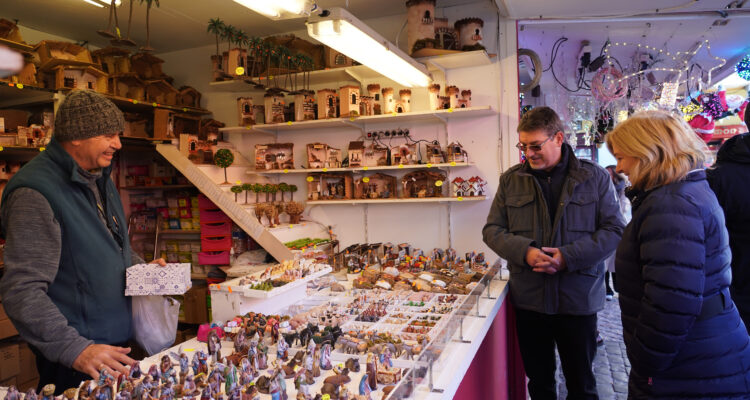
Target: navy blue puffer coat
(674, 257)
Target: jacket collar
(637, 196)
(66, 162)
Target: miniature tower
(245, 111)
(389, 105)
(304, 105)
(434, 91)
(452, 92)
(366, 105)
(469, 32)
(465, 101)
(326, 103)
(274, 107)
(237, 59)
(349, 100)
(405, 96)
(373, 90)
(420, 21)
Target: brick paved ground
(611, 365)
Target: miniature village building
(147, 66)
(433, 93)
(245, 111)
(329, 186)
(356, 153)
(455, 152)
(457, 187)
(405, 99)
(52, 53)
(320, 155)
(465, 101)
(73, 77)
(304, 105)
(189, 97)
(326, 103)
(419, 184)
(366, 105)
(420, 21)
(374, 155)
(127, 85)
(161, 92)
(335, 59)
(237, 58)
(349, 101)
(113, 60)
(377, 186)
(274, 156)
(446, 36)
(469, 32)
(452, 92)
(389, 105)
(274, 107)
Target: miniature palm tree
(107, 33)
(257, 188)
(149, 3)
(228, 34)
(255, 49)
(283, 187)
(292, 189)
(216, 26)
(270, 51)
(247, 187)
(284, 55)
(223, 159)
(236, 189)
(267, 190)
(127, 41)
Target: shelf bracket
(443, 119)
(268, 131)
(354, 124)
(353, 75)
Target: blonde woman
(683, 334)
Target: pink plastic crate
(205, 204)
(213, 257)
(213, 216)
(216, 229)
(216, 243)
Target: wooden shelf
(362, 122)
(16, 45)
(390, 201)
(20, 150)
(334, 76)
(462, 59)
(164, 187)
(357, 169)
(127, 104)
(18, 95)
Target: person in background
(730, 179)
(619, 181)
(67, 248)
(555, 219)
(683, 334)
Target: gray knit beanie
(85, 114)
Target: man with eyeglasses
(555, 219)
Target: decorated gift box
(152, 279)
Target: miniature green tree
(267, 190)
(247, 187)
(292, 189)
(223, 159)
(216, 26)
(228, 34)
(274, 189)
(236, 189)
(283, 187)
(257, 188)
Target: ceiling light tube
(341, 31)
(278, 9)
(93, 3)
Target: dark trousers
(61, 376)
(607, 287)
(575, 338)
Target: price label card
(42, 148)
(19, 85)
(325, 169)
(450, 110)
(429, 165)
(135, 101)
(438, 183)
(289, 123)
(286, 171)
(453, 163)
(401, 165)
(365, 168)
(239, 71)
(460, 198)
(309, 178)
(154, 104)
(365, 179)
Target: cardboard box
(8, 382)
(148, 279)
(6, 327)
(194, 306)
(10, 364)
(24, 386)
(27, 360)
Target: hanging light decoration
(743, 68)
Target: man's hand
(159, 261)
(97, 356)
(557, 263)
(537, 259)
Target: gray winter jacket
(587, 228)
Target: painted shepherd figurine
(325, 357)
(282, 348)
(13, 393)
(214, 346)
(372, 371)
(364, 387)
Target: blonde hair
(665, 146)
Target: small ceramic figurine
(14, 394)
(282, 348)
(135, 371)
(372, 371)
(30, 394)
(230, 375)
(167, 392)
(364, 386)
(325, 357)
(239, 341)
(188, 388)
(214, 346)
(199, 363)
(262, 356)
(168, 374)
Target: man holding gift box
(67, 248)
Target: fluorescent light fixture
(343, 32)
(103, 3)
(278, 9)
(93, 3)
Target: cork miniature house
(210, 130)
(420, 17)
(304, 105)
(73, 77)
(326, 103)
(404, 100)
(405, 154)
(335, 59)
(356, 153)
(9, 31)
(113, 60)
(53, 53)
(419, 184)
(147, 66)
(329, 186)
(320, 155)
(237, 58)
(435, 154)
(274, 106)
(465, 101)
(161, 92)
(189, 97)
(373, 90)
(366, 105)
(452, 92)
(455, 152)
(377, 186)
(433, 92)
(389, 104)
(469, 33)
(127, 85)
(446, 36)
(245, 111)
(349, 101)
(374, 155)
(274, 156)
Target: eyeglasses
(534, 147)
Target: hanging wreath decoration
(608, 84)
(743, 68)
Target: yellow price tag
(117, 29)
(401, 165)
(309, 178)
(453, 163)
(438, 183)
(248, 127)
(188, 350)
(184, 109)
(450, 110)
(315, 247)
(239, 182)
(135, 101)
(351, 118)
(429, 165)
(289, 123)
(326, 397)
(341, 365)
(325, 169)
(42, 148)
(291, 226)
(19, 85)
(239, 71)
(286, 171)
(365, 168)
(296, 368)
(365, 179)
(253, 384)
(154, 104)
(459, 198)
(2, 148)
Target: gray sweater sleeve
(32, 256)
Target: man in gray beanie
(67, 248)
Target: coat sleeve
(672, 255)
(590, 250)
(496, 235)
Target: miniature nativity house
(209, 130)
(189, 97)
(373, 90)
(274, 106)
(356, 153)
(127, 85)
(389, 105)
(405, 154)
(320, 155)
(367, 105)
(465, 101)
(420, 184)
(326, 103)
(245, 111)
(469, 33)
(304, 105)
(434, 94)
(374, 155)
(52, 53)
(349, 101)
(113, 60)
(455, 152)
(329, 186)
(161, 92)
(452, 93)
(335, 59)
(446, 36)
(435, 154)
(73, 77)
(9, 31)
(147, 66)
(378, 186)
(274, 156)
(476, 186)
(27, 75)
(420, 19)
(458, 187)
(237, 58)
(404, 101)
